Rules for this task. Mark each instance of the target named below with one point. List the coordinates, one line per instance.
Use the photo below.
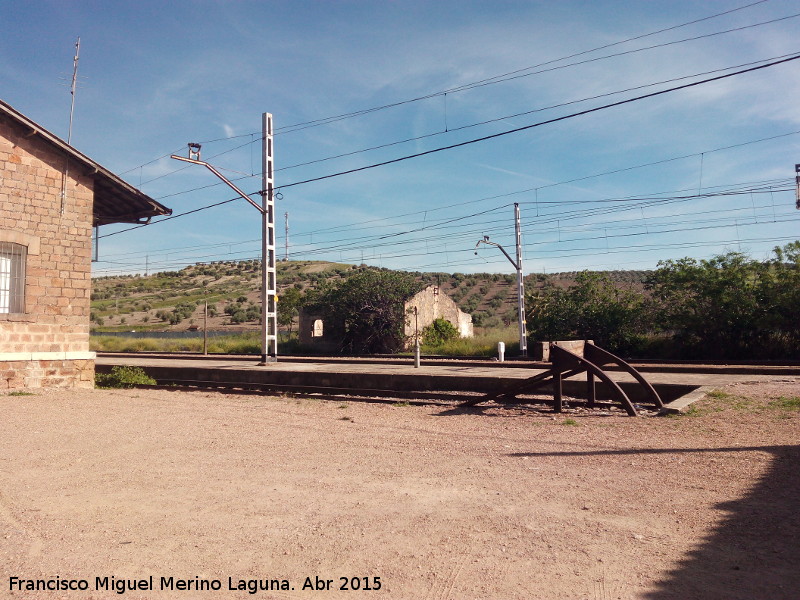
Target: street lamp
(269, 331)
(523, 334)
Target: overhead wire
(420, 137)
(515, 74)
(371, 243)
(544, 186)
(520, 114)
(326, 120)
(538, 124)
(379, 240)
(506, 133)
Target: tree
(781, 294)
(289, 302)
(366, 310)
(731, 306)
(592, 308)
(712, 307)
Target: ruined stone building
(430, 304)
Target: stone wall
(314, 333)
(47, 343)
(432, 304)
(18, 374)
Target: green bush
(123, 377)
(593, 308)
(729, 306)
(438, 332)
(366, 310)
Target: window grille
(12, 277)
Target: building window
(12, 277)
(318, 328)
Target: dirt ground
(421, 502)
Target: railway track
(441, 381)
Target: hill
(174, 300)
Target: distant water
(164, 335)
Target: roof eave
(109, 188)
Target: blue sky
(155, 76)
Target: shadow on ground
(754, 553)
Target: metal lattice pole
(523, 333)
(797, 181)
(286, 236)
(269, 299)
(269, 317)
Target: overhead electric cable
(183, 214)
(429, 135)
(325, 120)
(539, 124)
(520, 114)
(612, 172)
(762, 187)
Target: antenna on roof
(74, 85)
(69, 132)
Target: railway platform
(677, 384)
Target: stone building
(51, 196)
(430, 304)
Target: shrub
(592, 308)
(366, 310)
(438, 332)
(123, 377)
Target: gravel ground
(421, 502)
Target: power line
(655, 224)
(493, 79)
(429, 135)
(508, 194)
(520, 114)
(663, 45)
(183, 214)
(594, 251)
(573, 253)
(378, 239)
(539, 124)
(506, 76)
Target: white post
(416, 338)
(501, 351)
(205, 328)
